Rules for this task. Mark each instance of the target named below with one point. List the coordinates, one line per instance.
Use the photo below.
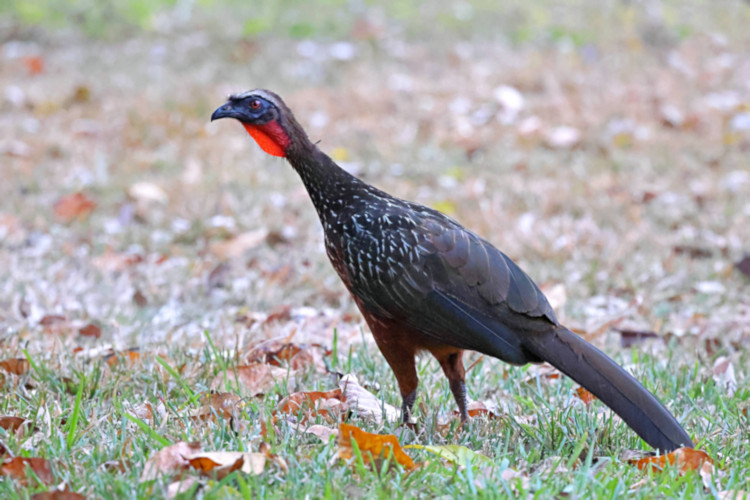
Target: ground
(606, 149)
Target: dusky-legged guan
(425, 283)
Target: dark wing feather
(453, 287)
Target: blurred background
(605, 146)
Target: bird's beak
(226, 110)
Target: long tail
(609, 382)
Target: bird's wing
(449, 284)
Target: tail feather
(609, 382)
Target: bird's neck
(328, 185)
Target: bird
(424, 283)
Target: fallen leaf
(477, 409)
(313, 403)
(11, 423)
(90, 330)
(169, 460)
(364, 403)
(17, 467)
(584, 395)
(686, 459)
(221, 404)
(218, 464)
(16, 366)
(372, 447)
(52, 320)
(278, 352)
(253, 379)
(277, 459)
(72, 207)
(219, 276)
(130, 356)
(224, 462)
(322, 432)
(34, 64)
(139, 299)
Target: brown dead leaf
(313, 403)
(139, 299)
(218, 464)
(254, 379)
(686, 459)
(585, 396)
(34, 64)
(277, 459)
(280, 313)
(373, 447)
(221, 404)
(72, 207)
(16, 366)
(11, 423)
(169, 460)
(477, 409)
(90, 330)
(129, 356)
(17, 468)
(279, 352)
(52, 320)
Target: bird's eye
(255, 104)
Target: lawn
(163, 281)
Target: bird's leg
(453, 367)
(401, 359)
(407, 405)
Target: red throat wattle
(270, 137)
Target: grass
(561, 446)
(637, 227)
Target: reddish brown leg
(453, 366)
(401, 359)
